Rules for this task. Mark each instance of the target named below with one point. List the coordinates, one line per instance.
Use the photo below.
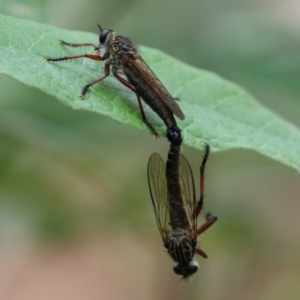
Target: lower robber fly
(176, 209)
(121, 55)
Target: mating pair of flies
(171, 186)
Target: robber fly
(176, 209)
(121, 55)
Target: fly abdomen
(177, 212)
(151, 97)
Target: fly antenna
(99, 26)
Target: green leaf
(217, 111)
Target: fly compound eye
(103, 35)
(186, 270)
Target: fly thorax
(115, 56)
(126, 46)
(181, 247)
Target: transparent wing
(144, 71)
(159, 195)
(188, 193)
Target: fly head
(186, 270)
(106, 37)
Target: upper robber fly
(176, 209)
(121, 55)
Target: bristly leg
(144, 117)
(199, 204)
(86, 87)
(77, 45)
(90, 56)
(210, 220)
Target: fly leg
(209, 221)
(76, 45)
(86, 87)
(201, 252)
(199, 204)
(90, 56)
(130, 86)
(209, 218)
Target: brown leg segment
(209, 218)
(209, 221)
(130, 86)
(86, 87)
(90, 56)
(76, 45)
(199, 204)
(201, 252)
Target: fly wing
(144, 71)
(159, 195)
(188, 193)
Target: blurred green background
(76, 220)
